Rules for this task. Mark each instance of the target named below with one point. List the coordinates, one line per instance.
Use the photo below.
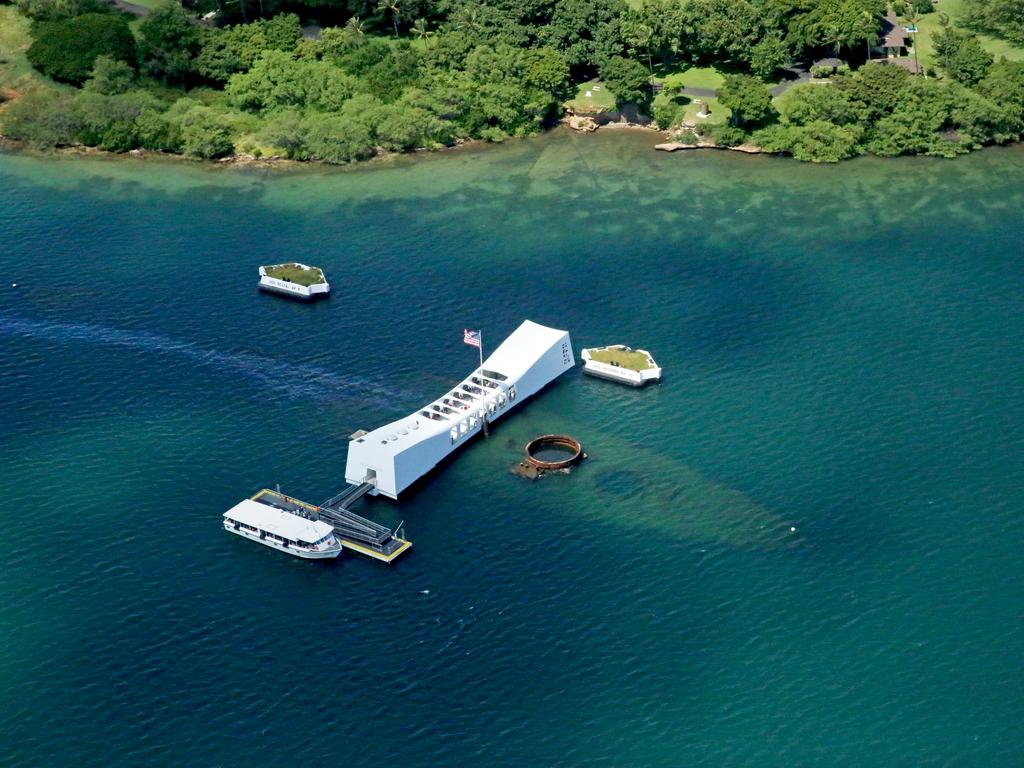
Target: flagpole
(483, 390)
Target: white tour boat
(296, 535)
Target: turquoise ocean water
(842, 349)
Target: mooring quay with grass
(620, 363)
(298, 281)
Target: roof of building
(519, 352)
(908, 64)
(513, 358)
(895, 36)
(278, 522)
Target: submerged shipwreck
(549, 453)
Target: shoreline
(243, 161)
(275, 162)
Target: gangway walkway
(348, 496)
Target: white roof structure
(519, 352)
(394, 456)
(276, 521)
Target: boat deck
(353, 531)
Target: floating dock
(622, 364)
(353, 531)
(295, 280)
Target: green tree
(769, 56)
(355, 27)
(235, 49)
(50, 10)
(576, 29)
(627, 79)
(1004, 84)
(402, 127)
(667, 109)
(917, 124)
(157, 132)
(390, 7)
(546, 70)
(723, 134)
(961, 55)
(344, 137)
(667, 21)
(41, 118)
(421, 29)
(981, 121)
(278, 79)
(748, 99)
(67, 49)
(1003, 18)
(874, 90)
(724, 30)
(816, 142)
(396, 72)
(285, 130)
(806, 104)
(205, 132)
(638, 37)
(168, 44)
(834, 23)
(110, 76)
(108, 122)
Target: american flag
(472, 338)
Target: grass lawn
(928, 26)
(16, 73)
(599, 100)
(634, 361)
(293, 273)
(151, 4)
(719, 114)
(694, 77)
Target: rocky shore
(683, 138)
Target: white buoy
(792, 529)
(14, 285)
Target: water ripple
(300, 381)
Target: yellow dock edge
(268, 492)
(346, 544)
(405, 545)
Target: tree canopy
(396, 75)
(67, 48)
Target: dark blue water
(802, 548)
